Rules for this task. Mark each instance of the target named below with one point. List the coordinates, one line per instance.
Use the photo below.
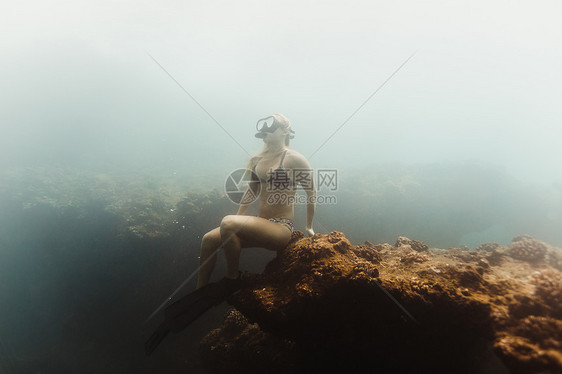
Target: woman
(277, 171)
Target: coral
(522, 237)
(496, 257)
(378, 247)
(324, 303)
(527, 355)
(238, 340)
(367, 252)
(549, 290)
(414, 244)
(525, 248)
(554, 258)
(488, 247)
(414, 257)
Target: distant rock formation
(324, 303)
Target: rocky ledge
(324, 303)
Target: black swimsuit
(279, 173)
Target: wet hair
(285, 123)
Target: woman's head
(275, 128)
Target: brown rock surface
(323, 303)
(414, 244)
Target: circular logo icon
(242, 186)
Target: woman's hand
(309, 231)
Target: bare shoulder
(254, 160)
(297, 160)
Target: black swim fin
(183, 305)
(183, 312)
(156, 338)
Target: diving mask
(269, 124)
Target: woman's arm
(243, 208)
(310, 209)
(305, 178)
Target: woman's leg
(239, 232)
(208, 258)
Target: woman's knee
(210, 240)
(229, 223)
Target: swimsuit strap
(256, 164)
(282, 158)
(280, 164)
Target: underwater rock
(324, 303)
(526, 248)
(414, 244)
(238, 339)
(414, 257)
(378, 247)
(489, 247)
